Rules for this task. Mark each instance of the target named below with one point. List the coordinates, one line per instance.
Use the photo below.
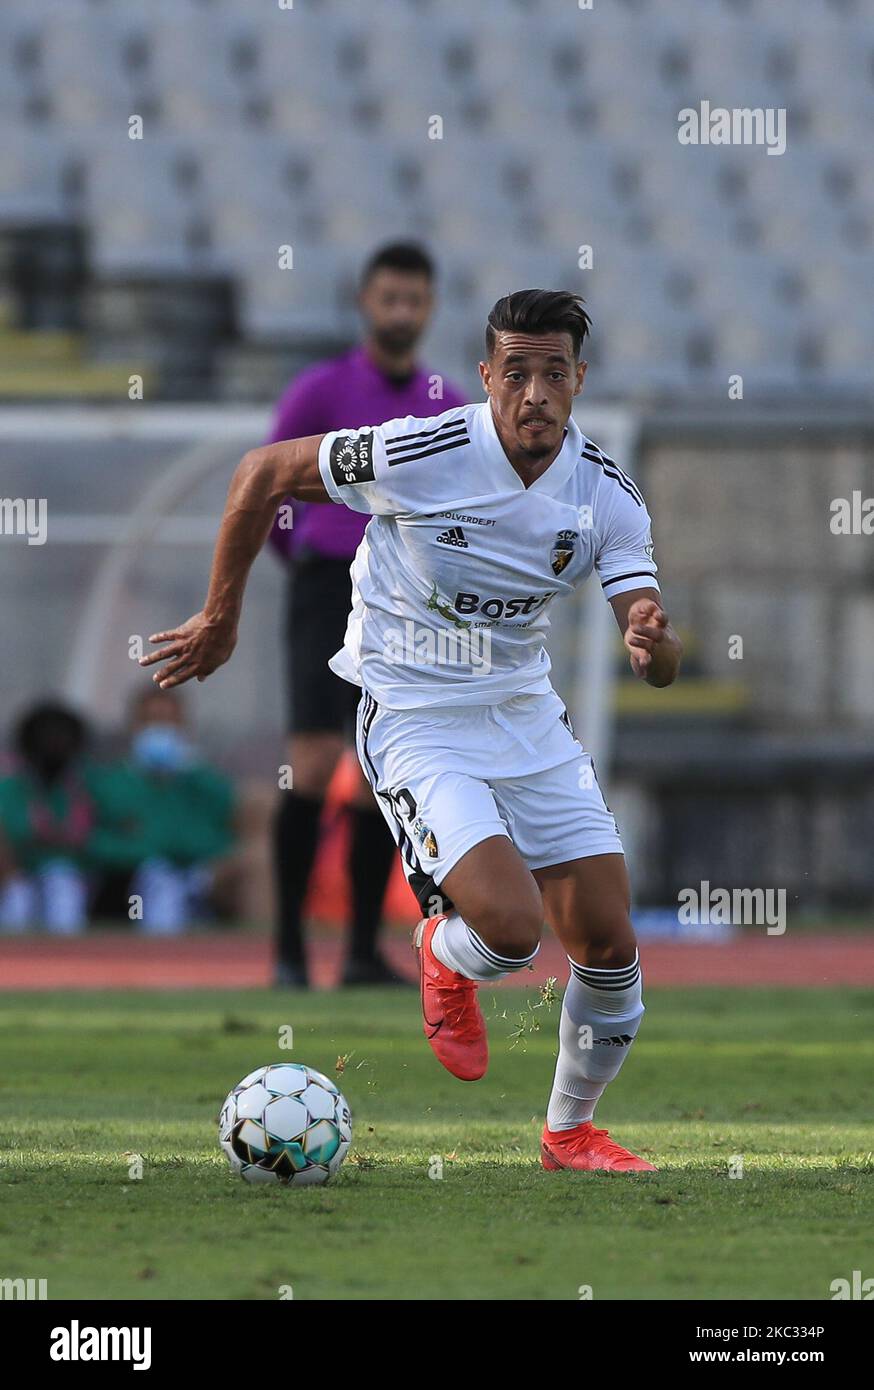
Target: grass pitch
(780, 1078)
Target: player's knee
(513, 931)
(611, 949)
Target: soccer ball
(286, 1124)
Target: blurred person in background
(165, 818)
(47, 816)
(379, 380)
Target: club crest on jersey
(563, 550)
(351, 459)
(425, 838)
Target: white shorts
(447, 778)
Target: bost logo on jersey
(499, 607)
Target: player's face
(532, 379)
(396, 306)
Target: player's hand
(194, 650)
(647, 625)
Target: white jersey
(453, 579)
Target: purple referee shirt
(346, 392)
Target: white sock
(458, 946)
(600, 1015)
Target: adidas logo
(454, 536)
(618, 1040)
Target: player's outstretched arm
(261, 482)
(654, 649)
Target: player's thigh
(586, 902)
(567, 836)
(497, 896)
(453, 841)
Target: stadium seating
(312, 126)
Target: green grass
(780, 1077)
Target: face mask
(162, 748)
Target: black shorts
(319, 598)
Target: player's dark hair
(406, 256)
(539, 311)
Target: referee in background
(377, 381)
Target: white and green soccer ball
(285, 1124)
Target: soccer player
(481, 516)
(376, 381)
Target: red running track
(223, 960)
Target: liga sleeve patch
(351, 459)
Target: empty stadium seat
(311, 127)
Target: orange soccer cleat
(589, 1149)
(451, 1015)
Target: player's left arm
(626, 567)
(654, 649)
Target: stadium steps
(692, 696)
(44, 365)
(697, 695)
